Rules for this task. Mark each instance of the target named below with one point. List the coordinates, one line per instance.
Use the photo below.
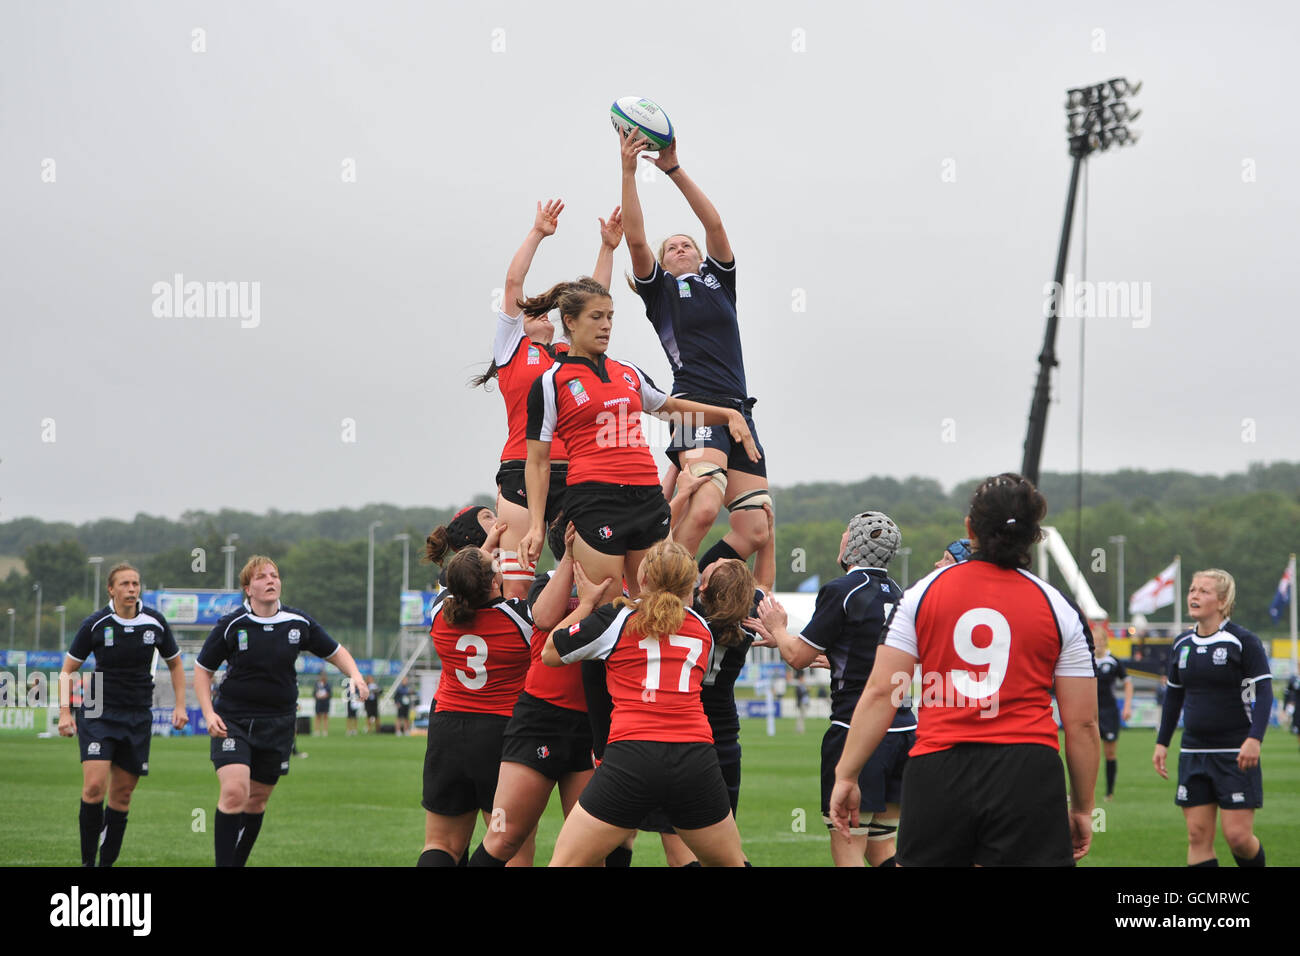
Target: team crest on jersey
(228, 744)
(534, 355)
(574, 628)
(712, 282)
(148, 637)
(1220, 655)
(1182, 793)
(543, 752)
(683, 289)
(294, 636)
(631, 382)
(578, 392)
(606, 532)
(108, 637)
(92, 749)
(243, 640)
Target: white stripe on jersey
(510, 332)
(651, 398)
(1076, 655)
(524, 627)
(547, 379)
(603, 644)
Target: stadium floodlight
(405, 538)
(1096, 118)
(370, 593)
(11, 612)
(39, 593)
(1120, 609)
(228, 549)
(95, 562)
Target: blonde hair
(251, 566)
(659, 256)
(1225, 587)
(669, 580)
(117, 568)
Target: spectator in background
(323, 694)
(372, 707)
(352, 695)
(403, 697)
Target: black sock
(719, 550)
(1210, 862)
(892, 861)
(1111, 767)
(619, 856)
(250, 825)
(436, 858)
(1257, 860)
(114, 828)
(482, 857)
(692, 863)
(225, 834)
(91, 820)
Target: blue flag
(810, 585)
(1283, 596)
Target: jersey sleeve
(1175, 677)
(827, 619)
(538, 586)
(521, 615)
(651, 290)
(726, 273)
(1121, 672)
(592, 638)
(541, 408)
(1254, 662)
(319, 642)
(901, 628)
(215, 650)
(168, 649)
(652, 399)
(510, 333)
(81, 648)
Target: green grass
(356, 801)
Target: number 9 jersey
(990, 642)
(485, 661)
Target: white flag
(1156, 593)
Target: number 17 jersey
(485, 661)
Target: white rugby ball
(635, 114)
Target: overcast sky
(898, 171)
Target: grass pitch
(355, 801)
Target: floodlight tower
(1097, 118)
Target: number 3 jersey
(485, 661)
(653, 680)
(990, 642)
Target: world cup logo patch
(579, 393)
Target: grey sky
(916, 352)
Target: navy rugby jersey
(260, 654)
(1215, 679)
(695, 318)
(718, 692)
(847, 625)
(1109, 673)
(124, 649)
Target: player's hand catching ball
(548, 217)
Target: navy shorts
(263, 744)
(510, 479)
(985, 805)
(717, 437)
(461, 760)
(552, 740)
(1216, 778)
(616, 519)
(881, 779)
(1108, 722)
(638, 776)
(121, 736)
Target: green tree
(58, 567)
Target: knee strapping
(881, 827)
(511, 568)
(751, 500)
(707, 469)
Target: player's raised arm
(643, 257)
(611, 234)
(715, 236)
(544, 224)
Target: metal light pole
(1120, 609)
(96, 562)
(39, 593)
(11, 612)
(906, 553)
(1096, 119)
(228, 549)
(62, 612)
(370, 593)
(406, 559)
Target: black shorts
(552, 740)
(461, 760)
(403, 712)
(354, 709)
(1108, 722)
(729, 763)
(121, 736)
(881, 779)
(372, 706)
(985, 805)
(638, 776)
(323, 707)
(616, 519)
(1216, 778)
(510, 479)
(263, 744)
(717, 437)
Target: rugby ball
(634, 114)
